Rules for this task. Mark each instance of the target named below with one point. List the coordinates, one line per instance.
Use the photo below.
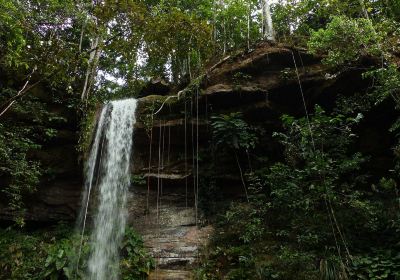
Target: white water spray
(110, 160)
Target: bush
(53, 254)
(136, 262)
(345, 40)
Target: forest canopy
(87, 46)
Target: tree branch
(7, 105)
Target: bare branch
(20, 93)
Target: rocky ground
(169, 229)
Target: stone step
(172, 239)
(174, 253)
(167, 274)
(175, 248)
(175, 263)
(166, 216)
(168, 246)
(170, 230)
(167, 233)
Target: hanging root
(178, 96)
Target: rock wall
(59, 189)
(263, 85)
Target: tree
(268, 29)
(232, 133)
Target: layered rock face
(173, 130)
(59, 189)
(263, 85)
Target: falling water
(107, 175)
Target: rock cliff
(172, 130)
(262, 84)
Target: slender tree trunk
(248, 25)
(94, 54)
(82, 30)
(224, 37)
(215, 10)
(364, 10)
(189, 60)
(262, 19)
(188, 65)
(92, 65)
(268, 29)
(241, 176)
(221, 6)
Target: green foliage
(20, 256)
(138, 180)
(296, 20)
(331, 269)
(240, 78)
(306, 211)
(20, 174)
(62, 258)
(232, 132)
(87, 127)
(11, 32)
(319, 173)
(388, 83)
(231, 20)
(387, 87)
(345, 40)
(382, 265)
(38, 255)
(172, 38)
(298, 206)
(136, 262)
(53, 254)
(28, 127)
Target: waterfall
(108, 176)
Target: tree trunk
(224, 27)
(363, 9)
(248, 25)
(92, 65)
(268, 29)
(241, 176)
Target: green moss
(87, 126)
(138, 180)
(156, 107)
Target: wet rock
(157, 86)
(168, 222)
(166, 274)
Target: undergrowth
(51, 253)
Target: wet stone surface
(169, 230)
